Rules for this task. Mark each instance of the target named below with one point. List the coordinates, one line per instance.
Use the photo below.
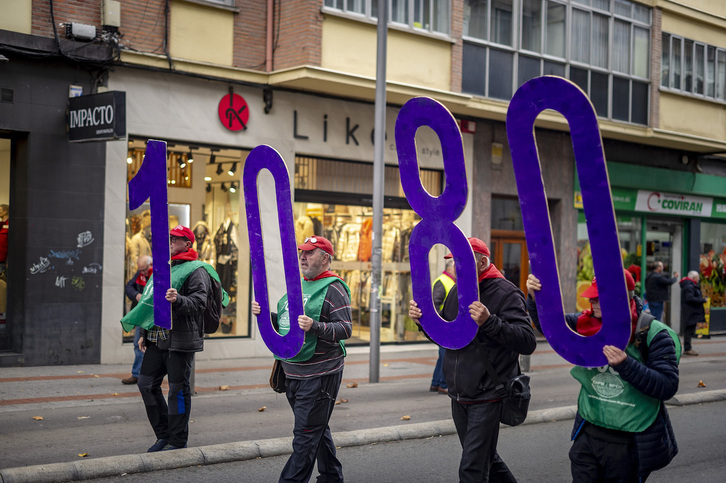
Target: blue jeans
(138, 355)
(438, 380)
(656, 309)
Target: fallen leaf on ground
(115, 394)
(337, 402)
(405, 418)
(262, 408)
(343, 400)
(701, 384)
(96, 375)
(84, 417)
(353, 384)
(386, 364)
(224, 388)
(79, 372)
(38, 418)
(82, 455)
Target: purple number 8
(565, 97)
(265, 157)
(437, 219)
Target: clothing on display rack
(203, 243)
(303, 229)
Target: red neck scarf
(588, 325)
(325, 274)
(188, 255)
(144, 277)
(490, 272)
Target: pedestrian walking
(134, 288)
(657, 285)
(314, 375)
(622, 431)
(504, 333)
(692, 311)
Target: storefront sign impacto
(98, 117)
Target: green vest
(448, 284)
(143, 314)
(313, 298)
(610, 402)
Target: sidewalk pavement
(37, 388)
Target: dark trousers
(168, 422)
(594, 460)
(656, 310)
(478, 429)
(688, 332)
(312, 401)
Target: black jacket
(506, 334)
(657, 378)
(133, 289)
(656, 287)
(187, 313)
(692, 311)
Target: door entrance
(509, 254)
(663, 241)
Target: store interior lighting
(232, 169)
(190, 157)
(232, 188)
(220, 170)
(223, 187)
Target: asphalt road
(114, 427)
(535, 453)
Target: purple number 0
(265, 157)
(150, 183)
(437, 219)
(565, 97)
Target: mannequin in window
(140, 245)
(225, 244)
(203, 242)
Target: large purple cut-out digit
(265, 157)
(565, 97)
(438, 215)
(150, 183)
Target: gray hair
(449, 263)
(693, 273)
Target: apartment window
(508, 42)
(427, 15)
(693, 67)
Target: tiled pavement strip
(99, 384)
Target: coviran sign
(97, 117)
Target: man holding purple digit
(314, 375)
(622, 431)
(504, 331)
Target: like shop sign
(673, 204)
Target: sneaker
(158, 446)
(443, 390)
(170, 447)
(130, 380)
(691, 353)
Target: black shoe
(158, 446)
(170, 447)
(130, 380)
(434, 389)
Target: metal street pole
(378, 188)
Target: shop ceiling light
(232, 189)
(232, 169)
(223, 187)
(220, 170)
(190, 158)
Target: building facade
(216, 78)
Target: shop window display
(712, 262)
(349, 229)
(216, 197)
(4, 233)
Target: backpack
(213, 310)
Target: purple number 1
(437, 219)
(265, 157)
(150, 183)
(565, 97)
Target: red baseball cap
(317, 242)
(591, 291)
(478, 246)
(182, 231)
